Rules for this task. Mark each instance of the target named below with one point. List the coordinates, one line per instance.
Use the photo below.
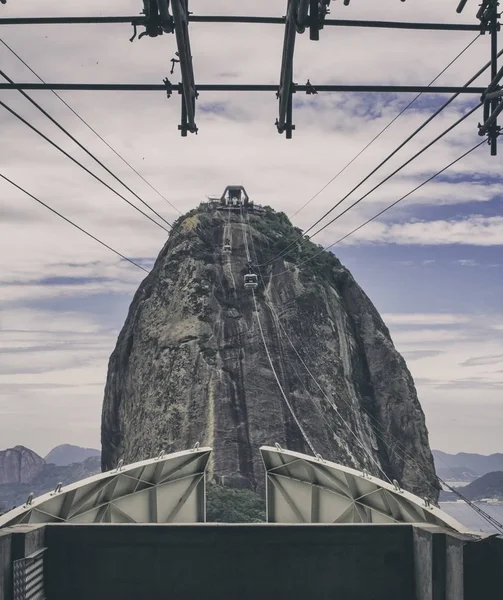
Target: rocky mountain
(19, 465)
(46, 479)
(465, 466)
(66, 454)
(489, 485)
(190, 363)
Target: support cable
(269, 358)
(306, 438)
(384, 210)
(33, 128)
(91, 128)
(406, 195)
(385, 128)
(405, 164)
(88, 152)
(416, 132)
(74, 224)
(386, 435)
(333, 405)
(405, 454)
(325, 395)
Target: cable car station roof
(308, 489)
(166, 489)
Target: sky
(433, 265)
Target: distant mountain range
(66, 454)
(464, 466)
(23, 471)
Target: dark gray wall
(15, 543)
(229, 561)
(483, 569)
(313, 562)
(5, 565)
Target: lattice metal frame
(306, 489)
(301, 15)
(166, 489)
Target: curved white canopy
(166, 489)
(306, 489)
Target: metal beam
(402, 25)
(158, 87)
(179, 505)
(140, 20)
(302, 16)
(495, 102)
(286, 496)
(314, 20)
(285, 92)
(188, 87)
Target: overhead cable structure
(92, 129)
(81, 165)
(301, 15)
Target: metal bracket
(174, 61)
(188, 88)
(296, 20)
(158, 19)
(169, 87)
(318, 12)
(310, 89)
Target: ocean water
(463, 513)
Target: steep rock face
(190, 363)
(19, 465)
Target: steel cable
(385, 128)
(73, 224)
(33, 128)
(416, 132)
(88, 152)
(89, 127)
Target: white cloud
(475, 230)
(424, 319)
(468, 262)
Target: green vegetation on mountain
(228, 505)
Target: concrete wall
(483, 569)
(317, 562)
(438, 563)
(5, 565)
(229, 561)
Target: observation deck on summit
(234, 198)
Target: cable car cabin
(251, 281)
(227, 249)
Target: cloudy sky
(433, 265)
